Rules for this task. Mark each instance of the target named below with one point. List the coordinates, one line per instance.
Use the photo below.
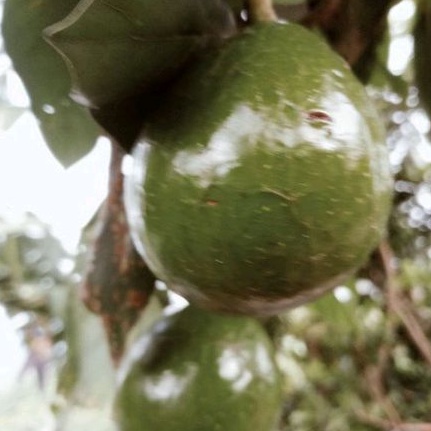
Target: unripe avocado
(197, 371)
(265, 180)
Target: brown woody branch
(401, 305)
(399, 309)
(375, 380)
(261, 11)
(385, 425)
(118, 284)
(354, 28)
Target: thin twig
(117, 284)
(261, 11)
(398, 306)
(385, 425)
(375, 422)
(401, 306)
(413, 427)
(374, 376)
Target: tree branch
(118, 283)
(374, 376)
(401, 306)
(353, 28)
(261, 11)
(385, 425)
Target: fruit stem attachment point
(261, 11)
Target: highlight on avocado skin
(264, 180)
(200, 371)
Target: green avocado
(264, 181)
(198, 371)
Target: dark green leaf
(123, 119)
(117, 49)
(69, 130)
(335, 313)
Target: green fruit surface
(265, 180)
(197, 371)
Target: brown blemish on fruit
(318, 116)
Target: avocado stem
(261, 11)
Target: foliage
(68, 128)
(151, 45)
(32, 261)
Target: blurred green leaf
(116, 49)
(69, 130)
(9, 114)
(87, 379)
(337, 314)
(32, 263)
(88, 372)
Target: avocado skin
(199, 371)
(264, 181)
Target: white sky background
(31, 180)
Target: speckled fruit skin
(265, 181)
(197, 371)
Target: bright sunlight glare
(401, 46)
(32, 180)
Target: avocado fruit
(196, 371)
(264, 180)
